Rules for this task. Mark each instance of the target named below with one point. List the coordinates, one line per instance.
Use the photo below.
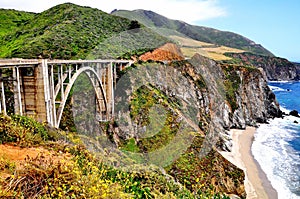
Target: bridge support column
(3, 103)
(17, 92)
(47, 92)
(52, 96)
(109, 90)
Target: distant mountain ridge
(200, 33)
(223, 46)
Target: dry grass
(185, 41)
(223, 49)
(190, 46)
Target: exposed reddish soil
(167, 52)
(18, 155)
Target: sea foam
(273, 150)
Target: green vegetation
(205, 175)
(68, 31)
(10, 20)
(24, 131)
(232, 84)
(63, 170)
(140, 111)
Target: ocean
(276, 145)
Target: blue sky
(273, 23)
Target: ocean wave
(285, 110)
(277, 89)
(285, 81)
(273, 150)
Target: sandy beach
(257, 185)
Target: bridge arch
(99, 90)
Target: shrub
(22, 130)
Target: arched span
(70, 85)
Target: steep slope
(297, 65)
(69, 31)
(200, 33)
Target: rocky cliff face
(277, 69)
(242, 92)
(255, 102)
(239, 96)
(297, 65)
(232, 95)
(164, 101)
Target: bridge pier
(3, 103)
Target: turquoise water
(277, 145)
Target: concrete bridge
(40, 88)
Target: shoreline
(257, 185)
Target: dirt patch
(19, 155)
(168, 52)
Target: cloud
(186, 10)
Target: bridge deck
(25, 62)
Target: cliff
(297, 65)
(276, 68)
(239, 96)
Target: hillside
(199, 33)
(215, 44)
(11, 19)
(68, 31)
(190, 47)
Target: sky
(275, 24)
